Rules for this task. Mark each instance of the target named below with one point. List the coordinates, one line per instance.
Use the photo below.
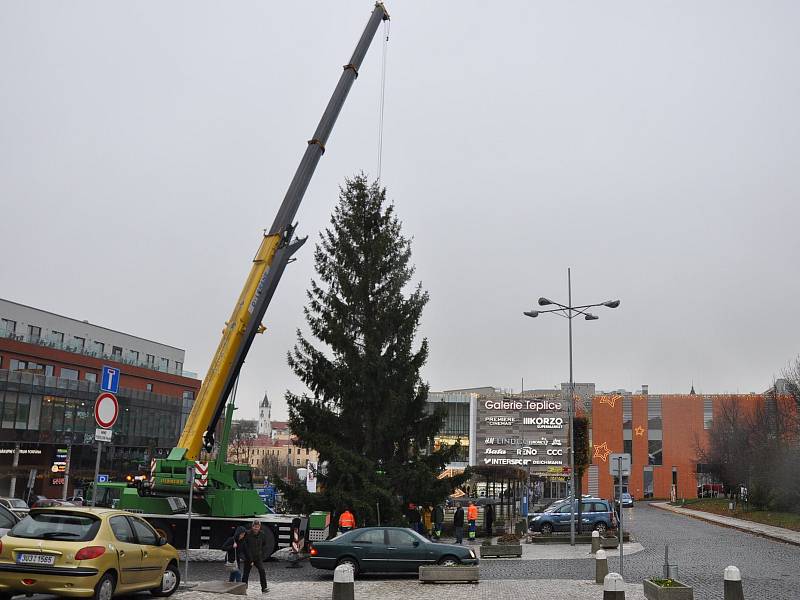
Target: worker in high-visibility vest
(346, 521)
(472, 519)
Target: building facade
(49, 371)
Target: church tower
(264, 415)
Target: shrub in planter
(508, 539)
(667, 589)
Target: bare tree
(243, 435)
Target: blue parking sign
(110, 380)
(102, 479)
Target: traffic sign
(102, 479)
(619, 461)
(102, 435)
(106, 410)
(110, 380)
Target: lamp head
(544, 301)
(591, 317)
(611, 303)
(531, 313)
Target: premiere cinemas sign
(523, 432)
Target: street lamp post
(569, 312)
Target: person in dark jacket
(438, 521)
(236, 552)
(458, 524)
(488, 517)
(256, 550)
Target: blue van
(597, 514)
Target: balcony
(75, 349)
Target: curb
(700, 516)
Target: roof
(279, 424)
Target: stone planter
(501, 551)
(440, 574)
(609, 543)
(678, 591)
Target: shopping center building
(49, 369)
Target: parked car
(387, 549)
(7, 520)
(596, 514)
(50, 503)
(627, 500)
(76, 500)
(15, 505)
(85, 553)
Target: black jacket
(239, 554)
(256, 546)
(438, 515)
(458, 518)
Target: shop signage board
(524, 432)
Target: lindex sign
(525, 432)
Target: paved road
(701, 550)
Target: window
(90, 377)
(288, 451)
(69, 374)
(654, 412)
(9, 326)
(178, 367)
(34, 333)
(144, 533)
(122, 529)
(398, 537)
(164, 364)
(6, 520)
(116, 351)
(134, 355)
(298, 462)
(149, 387)
(151, 361)
(372, 536)
(100, 348)
(49, 370)
(708, 413)
(188, 396)
(654, 452)
(79, 342)
(57, 337)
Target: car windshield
(57, 526)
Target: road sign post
(620, 461)
(190, 481)
(96, 472)
(106, 411)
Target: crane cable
(386, 28)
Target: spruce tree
(366, 412)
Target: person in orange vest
(346, 521)
(472, 518)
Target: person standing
(488, 518)
(414, 517)
(236, 553)
(256, 551)
(346, 521)
(458, 523)
(472, 518)
(438, 520)
(427, 516)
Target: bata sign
(530, 433)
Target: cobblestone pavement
(701, 550)
(399, 589)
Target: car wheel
(347, 560)
(449, 561)
(547, 529)
(169, 581)
(601, 528)
(104, 590)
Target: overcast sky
(651, 146)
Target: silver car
(15, 505)
(7, 520)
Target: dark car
(387, 550)
(596, 514)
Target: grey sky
(652, 146)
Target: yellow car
(85, 553)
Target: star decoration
(602, 451)
(639, 431)
(610, 400)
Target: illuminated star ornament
(610, 400)
(639, 431)
(602, 451)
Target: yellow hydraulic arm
(273, 255)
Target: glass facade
(655, 434)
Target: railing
(38, 340)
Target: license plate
(35, 559)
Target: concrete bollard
(613, 587)
(343, 588)
(595, 541)
(733, 584)
(600, 566)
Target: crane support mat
(223, 587)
